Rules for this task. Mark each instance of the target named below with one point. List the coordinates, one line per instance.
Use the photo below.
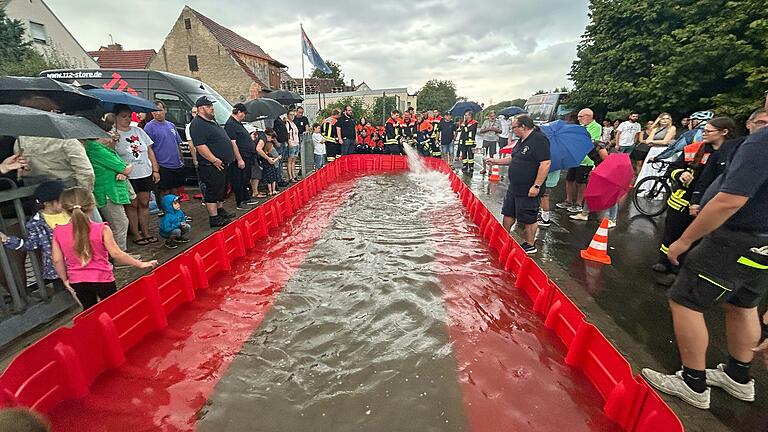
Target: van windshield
(540, 113)
(222, 108)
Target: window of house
(37, 32)
(192, 63)
(187, 23)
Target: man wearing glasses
(528, 168)
(732, 227)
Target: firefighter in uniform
(435, 119)
(328, 131)
(686, 174)
(393, 134)
(467, 133)
(408, 128)
(424, 138)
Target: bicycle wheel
(650, 195)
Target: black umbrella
(285, 97)
(68, 97)
(17, 120)
(259, 109)
(511, 111)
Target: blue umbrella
(511, 111)
(568, 144)
(110, 98)
(459, 108)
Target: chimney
(112, 47)
(352, 83)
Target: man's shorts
(293, 151)
(215, 182)
(727, 266)
(579, 174)
(523, 208)
(171, 178)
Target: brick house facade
(200, 48)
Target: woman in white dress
(662, 135)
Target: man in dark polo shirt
(215, 152)
(528, 168)
(345, 130)
(245, 151)
(726, 264)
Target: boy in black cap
(215, 152)
(40, 226)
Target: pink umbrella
(609, 182)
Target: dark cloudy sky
(492, 50)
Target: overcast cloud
(492, 50)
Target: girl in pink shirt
(81, 251)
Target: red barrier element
(63, 364)
(563, 317)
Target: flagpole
(303, 77)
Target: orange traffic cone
(598, 248)
(494, 177)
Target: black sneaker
(242, 206)
(170, 244)
(182, 240)
(217, 221)
(660, 268)
(225, 214)
(544, 223)
(188, 218)
(252, 202)
(529, 248)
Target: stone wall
(216, 67)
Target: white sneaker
(611, 224)
(718, 378)
(579, 216)
(675, 385)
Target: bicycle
(650, 195)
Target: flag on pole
(312, 54)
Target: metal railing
(27, 300)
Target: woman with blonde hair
(662, 134)
(81, 251)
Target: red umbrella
(508, 148)
(609, 182)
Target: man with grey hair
(489, 132)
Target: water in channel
(399, 320)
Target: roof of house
(233, 41)
(132, 59)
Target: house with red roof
(113, 56)
(203, 49)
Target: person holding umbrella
(528, 168)
(467, 134)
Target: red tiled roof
(135, 59)
(233, 41)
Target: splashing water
(434, 185)
(414, 160)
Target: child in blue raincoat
(173, 225)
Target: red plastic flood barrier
(63, 364)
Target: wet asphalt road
(627, 304)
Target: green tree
(437, 94)
(336, 74)
(677, 56)
(382, 107)
(18, 57)
(359, 109)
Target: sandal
(261, 195)
(141, 242)
(151, 239)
